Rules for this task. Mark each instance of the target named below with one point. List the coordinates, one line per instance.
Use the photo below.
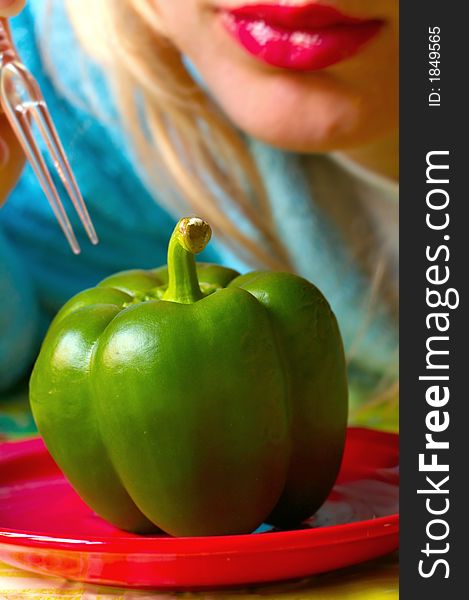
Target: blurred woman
(275, 121)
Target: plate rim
(276, 541)
(307, 538)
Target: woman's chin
(300, 117)
(307, 135)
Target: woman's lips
(300, 38)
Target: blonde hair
(187, 148)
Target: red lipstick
(300, 38)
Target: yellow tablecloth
(377, 580)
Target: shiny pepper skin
(192, 399)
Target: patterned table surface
(377, 580)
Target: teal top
(38, 273)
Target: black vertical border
(424, 129)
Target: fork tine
(41, 115)
(22, 99)
(20, 123)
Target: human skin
(11, 155)
(350, 106)
(11, 159)
(10, 8)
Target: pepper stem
(190, 237)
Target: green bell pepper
(192, 399)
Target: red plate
(45, 527)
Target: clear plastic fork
(24, 106)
